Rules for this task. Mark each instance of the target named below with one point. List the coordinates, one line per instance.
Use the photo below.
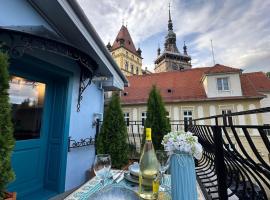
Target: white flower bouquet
(180, 141)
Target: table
(94, 185)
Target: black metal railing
(80, 143)
(135, 131)
(235, 161)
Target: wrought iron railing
(235, 162)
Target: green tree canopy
(157, 118)
(268, 74)
(6, 128)
(112, 138)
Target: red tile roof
(186, 85)
(259, 81)
(128, 43)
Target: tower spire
(170, 25)
(185, 48)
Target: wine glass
(102, 166)
(164, 163)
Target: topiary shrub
(157, 118)
(112, 138)
(6, 128)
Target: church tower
(171, 59)
(125, 54)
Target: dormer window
(223, 84)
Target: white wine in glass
(102, 166)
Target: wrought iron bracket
(81, 143)
(85, 80)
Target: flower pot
(11, 196)
(183, 178)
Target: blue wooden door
(30, 100)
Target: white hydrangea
(183, 142)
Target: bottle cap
(148, 134)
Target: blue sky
(239, 29)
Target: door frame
(31, 67)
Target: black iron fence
(235, 161)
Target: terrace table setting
(147, 179)
(93, 188)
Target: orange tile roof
(187, 85)
(128, 43)
(259, 81)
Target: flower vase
(183, 178)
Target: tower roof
(123, 39)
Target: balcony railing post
(185, 125)
(220, 163)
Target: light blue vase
(183, 178)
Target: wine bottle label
(155, 186)
(148, 134)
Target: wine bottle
(149, 168)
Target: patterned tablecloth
(94, 185)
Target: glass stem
(162, 178)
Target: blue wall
(19, 12)
(81, 159)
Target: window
(223, 84)
(126, 66)
(112, 53)
(126, 53)
(132, 69)
(132, 56)
(228, 120)
(126, 116)
(144, 116)
(168, 114)
(137, 59)
(27, 99)
(137, 70)
(267, 130)
(187, 115)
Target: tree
(6, 128)
(112, 138)
(157, 118)
(268, 74)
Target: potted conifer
(6, 132)
(157, 118)
(112, 138)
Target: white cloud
(240, 30)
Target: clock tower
(171, 58)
